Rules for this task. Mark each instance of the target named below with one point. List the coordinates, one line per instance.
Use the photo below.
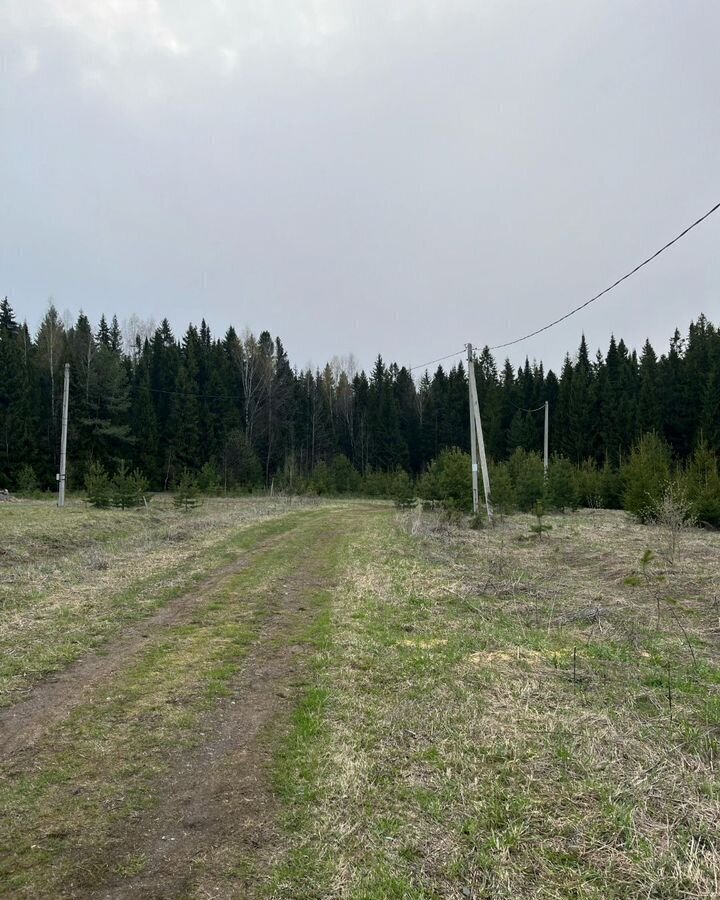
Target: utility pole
(546, 459)
(63, 439)
(475, 413)
(473, 439)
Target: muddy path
(53, 699)
(131, 775)
(217, 805)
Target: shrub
(589, 484)
(598, 488)
(528, 477)
(702, 485)
(502, 491)
(128, 489)
(344, 477)
(242, 462)
(455, 479)
(646, 476)
(27, 482)
(378, 484)
(209, 479)
(404, 491)
(186, 493)
(560, 488)
(320, 480)
(427, 486)
(449, 479)
(539, 528)
(672, 513)
(97, 486)
(611, 486)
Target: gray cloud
(361, 176)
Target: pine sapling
(539, 527)
(186, 494)
(97, 486)
(645, 560)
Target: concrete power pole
(546, 458)
(475, 413)
(473, 438)
(63, 439)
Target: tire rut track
(216, 802)
(52, 700)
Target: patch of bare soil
(52, 700)
(217, 806)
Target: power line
(522, 408)
(587, 302)
(613, 285)
(439, 359)
(525, 337)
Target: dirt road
(340, 701)
(142, 771)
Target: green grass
(454, 743)
(57, 608)
(102, 764)
(467, 724)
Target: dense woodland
(235, 405)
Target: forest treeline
(233, 406)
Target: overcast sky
(363, 176)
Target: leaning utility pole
(546, 458)
(473, 439)
(475, 413)
(63, 439)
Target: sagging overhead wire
(582, 306)
(607, 290)
(522, 408)
(430, 362)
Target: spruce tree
(97, 486)
(675, 411)
(143, 423)
(128, 488)
(581, 412)
(649, 407)
(710, 421)
(645, 476)
(387, 448)
(702, 483)
(406, 403)
(165, 405)
(103, 333)
(183, 428)
(186, 494)
(428, 421)
(561, 489)
(164, 366)
(12, 396)
(115, 336)
(490, 400)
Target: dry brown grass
(169, 742)
(506, 717)
(70, 578)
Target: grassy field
(338, 700)
(71, 579)
(498, 715)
